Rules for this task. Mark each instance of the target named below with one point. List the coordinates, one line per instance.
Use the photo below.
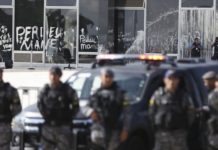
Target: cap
(209, 75)
(172, 73)
(56, 70)
(108, 72)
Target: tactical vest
(171, 113)
(57, 105)
(5, 102)
(109, 106)
(216, 47)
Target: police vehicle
(140, 76)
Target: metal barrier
(206, 53)
(28, 95)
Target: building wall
(127, 26)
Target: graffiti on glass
(31, 38)
(5, 39)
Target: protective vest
(57, 105)
(171, 112)
(109, 103)
(6, 92)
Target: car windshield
(86, 84)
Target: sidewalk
(26, 67)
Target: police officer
(9, 107)
(171, 114)
(209, 79)
(106, 106)
(215, 52)
(58, 103)
(213, 121)
(196, 48)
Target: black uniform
(213, 121)
(57, 106)
(215, 55)
(196, 50)
(110, 103)
(9, 107)
(170, 115)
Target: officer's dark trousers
(215, 56)
(111, 141)
(171, 140)
(5, 136)
(59, 138)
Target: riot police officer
(213, 120)
(107, 105)
(58, 103)
(171, 114)
(9, 107)
(196, 48)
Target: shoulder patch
(151, 102)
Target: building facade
(40, 30)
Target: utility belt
(170, 129)
(58, 123)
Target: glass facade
(61, 33)
(29, 25)
(5, 2)
(216, 24)
(197, 24)
(162, 26)
(6, 34)
(111, 26)
(129, 31)
(91, 25)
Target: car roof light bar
(140, 57)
